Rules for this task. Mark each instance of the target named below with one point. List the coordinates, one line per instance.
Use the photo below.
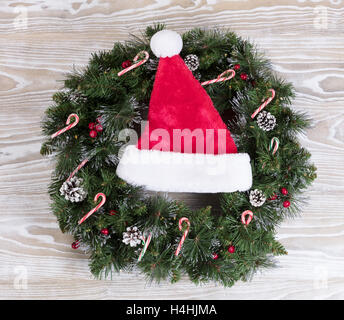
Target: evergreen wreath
(136, 230)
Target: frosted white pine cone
(133, 236)
(77, 97)
(192, 62)
(257, 198)
(152, 64)
(266, 121)
(72, 190)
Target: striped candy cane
(243, 217)
(81, 165)
(264, 104)
(274, 144)
(77, 169)
(75, 244)
(69, 125)
(181, 220)
(137, 64)
(102, 195)
(146, 244)
(220, 78)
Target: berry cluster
(95, 127)
(284, 192)
(243, 75)
(126, 64)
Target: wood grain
(36, 52)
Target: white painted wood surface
(41, 40)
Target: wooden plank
(36, 52)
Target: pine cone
(266, 121)
(72, 190)
(192, 62)
(77, 97)
(257, 198)
(152, 64)
(133, 236)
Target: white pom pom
(166, 43)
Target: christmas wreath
(258, 169)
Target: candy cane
(220, 78)
(146, 244)
(264, 104)
(181, 220)
(136, 64)
(70, 125)
(243, 217)
(77, 169)
(95, 208)
(75, 244)
(81, 165)
(274, 143)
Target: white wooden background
(41, 40)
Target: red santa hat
(185, 146)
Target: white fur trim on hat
(185, 172)
(166, 43)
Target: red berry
(286, 204)
(273, 197)
(112, 212)
(237, 66)
(284, 191)
(91, 125)
(93, 133)
(75, 245)
(105, 231)
(215, 256)
(243, 76)
(126, 64)
(231, 249)
(99, 119)
(253, 83)
(99, 127)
